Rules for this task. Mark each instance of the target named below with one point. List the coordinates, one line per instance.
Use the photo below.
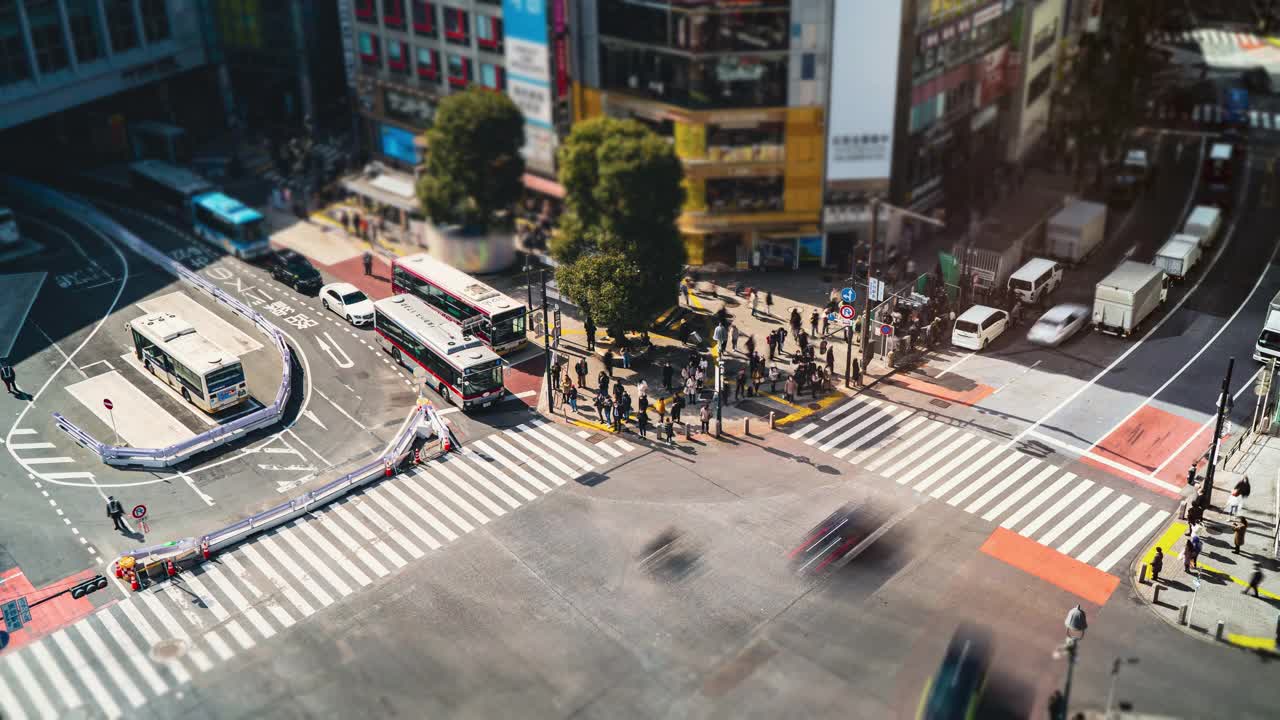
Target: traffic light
(97, 582)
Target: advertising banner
(529, 77)
(862, 103)
(398, 144)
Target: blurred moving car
(1058, 325)
(829, 541)
(348, 302)
(294, 270)
(955, 690)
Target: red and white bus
(459, 367)
(495, 318)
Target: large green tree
(473, 162)
(620, 252)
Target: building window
(13, 49)
(808, 66)
(429, 64)
(455, 26)
(120, 22)
(46, 35)
(369, 51)
(459, 71)
(393, 15)
(155, 19)
(489, 32)
(398, 57)
(365, 11)
(86, 32)
(424, 18)
(491, 76)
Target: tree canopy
(620, 252)
(473, 162)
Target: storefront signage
(562, 67)
(533, 100)
(559, 16)
(529, 76)
(964, 25)
(348, 52)
(410, 109)
(398, 144)
(539, 149)
(860, 130)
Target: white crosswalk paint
(81, 669)
(909, 443)
(963, 473)
(412, 505)
(611, 451)
(282, 556)
(123, 681)
(1063, 502)
(205, 598)
(499, 441)
(875, 415)
(62, 687)
(440, 473)
(301, 604)
(549, 448)
(141, 663)
(842, 429)
(173, 629)
(496, 459)
(1128, 544)
(366, 508)
(330, 521)
(446, 470)
(340, 511)
(491, 467)
(339, 558)
(907, 475)
(1101, 517)
(804, 430)
(937, 435)
(1000, 467)
(873, 443)
(1020, 492)
(1034, 503)
(975, 446)
(1088, 554)
(435, 504)
(569, 440)
(291, 536)
(32, 446)
(218, 645)
(623, 445)
(1000, 487)
(137, 622)
(10, 708)
(833, 426)
(543, 455)
(227, 586)
(879, 422)
(1070, 520)
(440, 489)
(414, 529)
(34, 689)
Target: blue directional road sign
(831, 317)
(16, 613)
(848, 295)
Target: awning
(543, 185)
(382, 192)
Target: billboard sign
(398, 144)
(861, 116)
(529, 77)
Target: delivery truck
(1076, 230)
(1268, 345)
(1127, 296)
(1178, 256)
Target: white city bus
(458, 366)
(206, 375)
(168, 185)
(462, 298)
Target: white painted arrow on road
(330, 349)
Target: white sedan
(1058, 325)
(348, 302)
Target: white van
(978, 326)
(1035, 279)
(9, 234)
(1204, 223)
(1268, 345)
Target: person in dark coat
(368, 262)
(1157, 564)
(642, 420)
(608, 362)
(740, 388)
(115, 511)
(1255, 580)
(1239, 528)
(590, 328)
(667, 372)
(581, 368)
(1195, 514)
(831, 361)
(10, 377)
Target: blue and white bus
(220, 220)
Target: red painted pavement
(48, 616)
(1051, 566)
(962, 397)
(376, 286)
(527, 376)
(1145, 441)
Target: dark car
(828, 542)
(295, 271)
(1131, 176)
(955, 691)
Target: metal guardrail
(220, 435)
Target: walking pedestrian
(667, 372)
(571, 396)
(733, 337)
(602, 382)
(608, 361)
(795, 321)
(700, 378)
(642, 403)
(9, 376)
(1194, 546)
(684, 294)
(677, 405)
(813, 322)
(669, 427)
(626, 358)
(782, 340)
(590, 328)
(831, 360)
(1195, 514)
(789, 389)
(642, 420)
(1238, 495)
(755, 303)
(115, 511)
(705, 416)
(690, 390)
(1240, 526)
(1157, 564)
(826, 322)
(368, 263)
(855, 370)
(555, 372)
(740, 388)
(581, 369)
(718, 334)
(1255, 580)
(773, 378)
(768, 303)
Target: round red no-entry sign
(106, 403)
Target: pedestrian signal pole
(546, 338)
(1224, 405)
(719, 393)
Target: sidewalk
(1214, 593)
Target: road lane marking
(293, 596)
(875, 411)
(538, 467)
(86, 674)
(446, 468)
(139, 661)
(47, 461)
(1114, 530)
(1118, 502)
(1020, 492)
(1054, 568)
(318, 538)
(35, 691)
(920, 450)
(1070, 520)
(440, 487)
(550, 429)
(9, 702)
(976, 445)
(516, 469)
(1039, 500)
(891, 433)
(1205, 425)
(964, 473)
(290, 534)
(880, 423)
(283, 557)
(362, 554)
(32, 446)
(1004, 484)
(1108, 462)
(955, 365)
(1137, 536)
(423, 536)
(491, 466)
(863, 406)
(414, 507)
(117, 674)
(139, 623)
(908, 439)
(61, 685)
(1063, 502)
(961, 439)
(341, 512)
(1008, 460)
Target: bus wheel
(395, 355)
(186, 395)
(444, 392)
(149, 367)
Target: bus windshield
(507, 327)
(225, 377)
(483, 378)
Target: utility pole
(1224, 401)
(546, 338)
(719, 393)
(866, 314)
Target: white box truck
(1178, 256)
(1268, 345)
(1203, 223)
(1127, 296)
(1076, 230)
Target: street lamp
(1076, 624)
(1115, 673)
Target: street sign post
(110, 406)
(875, 289)
(139, 513)
(848, 295)
(886, 330)
(847, 312)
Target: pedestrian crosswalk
(1037, 499)
(152, 642)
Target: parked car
(1058, 325)
(294, 270)
(978, 326)
(348, 302)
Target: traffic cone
(133, 581)
(204, 549)
(119, 570)
(448, 445)
(387, 468)
(169, 568)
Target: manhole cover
(940, 403)
(170, 649)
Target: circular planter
(471, 250)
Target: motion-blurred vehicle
(9, 234)
(955, 690)
(1131, 176)
(1058, 325)
(348, 302)
(828, 542)
(294, 270)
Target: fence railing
(219, 435)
